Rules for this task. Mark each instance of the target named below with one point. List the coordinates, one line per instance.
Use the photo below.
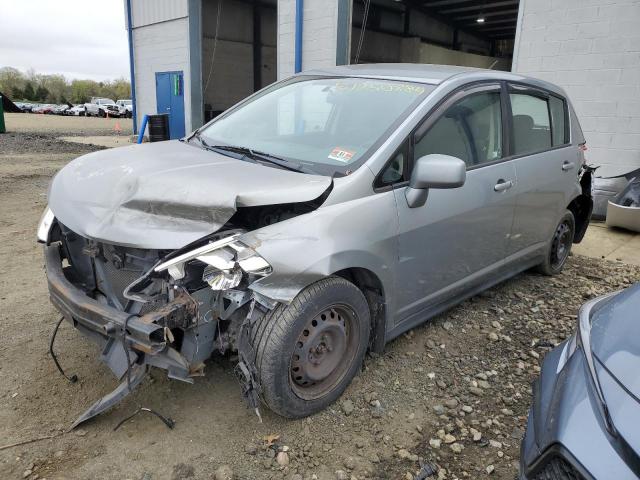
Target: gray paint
(195, 63)
(166, 195)
(565, 411)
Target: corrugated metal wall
(148, 12)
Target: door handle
(502, 185)
(566, 166)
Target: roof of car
(422, 72)
(426, 73)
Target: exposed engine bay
(170, 309)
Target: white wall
(148, 12)
(319, 35)
(592, 49)
(161, 47)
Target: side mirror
(434, 171)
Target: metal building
(195, 58)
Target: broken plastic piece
(138, 372)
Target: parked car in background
(77, 110)
(126, 108)
(102, 107)
(45, 108)
(60, 109)
(583, 423)
(301, 237)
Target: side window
(471, 130)
(559, 132)
(531, 123)
(394, 170)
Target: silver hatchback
(317, 219)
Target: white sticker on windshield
(341, 155)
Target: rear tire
(560, 245)
(308, 352)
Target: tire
(329, 321)
(102, 113)
(559, 246)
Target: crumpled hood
(165, 195)
(615, 337)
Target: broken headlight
(44, 226)
(225, 261)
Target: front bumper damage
(176, 335)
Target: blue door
(170, 99)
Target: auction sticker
(341, 155)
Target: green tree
(11, 78)
(41, 93)
(29, 94)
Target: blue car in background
(585, 419)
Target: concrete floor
(613, 244)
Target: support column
(326, 34)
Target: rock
(490, 469)
(347, 407)
(467, 409)
(448, 438)
(350, 463)
(447, 325)
(26, 473)
(493, 336)
(495, 444)
(250, 449)
(456, 447)
(342, 475)
(80, 432)
(435, 442)
(223, 472)
(438, 409)
(297, 476)
(451, 403)
(476, 391)
(283, 459)
(182, 471)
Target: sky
(76, 38)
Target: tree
(41, 93)
(29, 94)
(11, 78)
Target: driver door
(458, 239)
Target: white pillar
(326, 34)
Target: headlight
(44, 227)
(226, 259)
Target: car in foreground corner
(317, 219)
(585, 420)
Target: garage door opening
(472, 33)
(238, 51)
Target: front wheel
(560, 246)
(308, 352)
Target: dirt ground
(454, 392)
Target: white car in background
(125, 107)
(76, 110)
(102, 107)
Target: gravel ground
(454, 392)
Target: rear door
(546, 167)
(458, 238)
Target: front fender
(358, 233)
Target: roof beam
(484, 6)
(497, 13)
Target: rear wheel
(308, 352)
(560, 246)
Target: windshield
(325, 125)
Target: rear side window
(531, 123)
(559, 130)
(470, 130)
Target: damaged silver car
(314, 221)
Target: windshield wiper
(254, 154)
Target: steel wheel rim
(324, 351)
(561, 245)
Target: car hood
(165, 195)
(615, 334)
